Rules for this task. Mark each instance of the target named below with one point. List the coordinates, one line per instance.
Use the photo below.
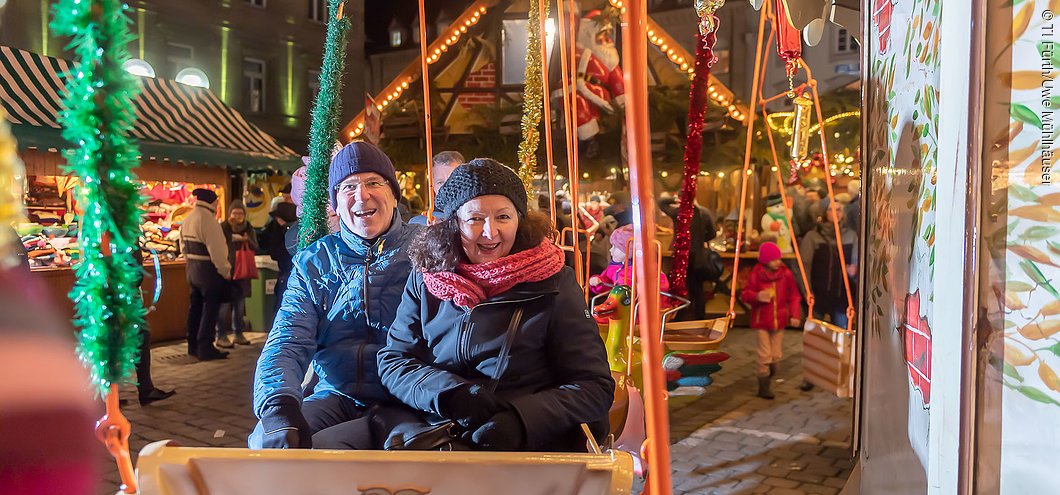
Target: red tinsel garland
(697, 107)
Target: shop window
(318, 10)
(254, 84)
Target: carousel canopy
(174, 121)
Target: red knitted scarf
(474, 283)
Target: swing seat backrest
(827, 357)
(164, 469)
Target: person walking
(775, 304)
(239, 235)
(203, 243)
(338, 307)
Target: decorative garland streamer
(97, 118)
(12, 173)
(532, 99)
(324, 128)
(693, 146)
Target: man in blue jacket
(340, 301)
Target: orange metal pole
(831, 194)
(656, 449)
(568, 94)
(547, 104)
(747, 162)
(427, 126)
(573, 168)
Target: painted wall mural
(902, 98)
(1019, 390)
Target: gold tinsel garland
(532, 99)
(12, 175)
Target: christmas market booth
(188, 139)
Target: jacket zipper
(776, 317)
(360, 368)
(463, 351)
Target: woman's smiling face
(487, 227)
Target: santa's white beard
(608, 55)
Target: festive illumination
(97, 119)
(193, 77)
(697, 108)
(323, 129)
(138, 67)
(786, 119)
(438, 47)
(532, 98)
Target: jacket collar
(525, 290)
(363, 247)
(209, 206)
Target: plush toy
(775, 223)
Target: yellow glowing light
(664, 173)
(651, 33)
(482, 9)
(352, 134)
(749, 171)
(614, 170)
(684, 66)
(585, 175)
(664, 47)
(721, 174)
(467, 23)
(404, 85)
(463, 29)
(379, 107)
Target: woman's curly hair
(437, 248)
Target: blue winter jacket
(340, 301)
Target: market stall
(188, 139)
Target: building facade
(262, 57)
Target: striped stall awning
(173, 120)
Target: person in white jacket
(203, 243)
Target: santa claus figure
(599, 77)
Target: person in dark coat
(701, 231)
(238, 234)
(274, 242)
(340, 301)
(820, 257)
(472, 272)
(204, 247)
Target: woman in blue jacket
(471, 273)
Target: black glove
(284, 426)
(469, 405)
(504, 431)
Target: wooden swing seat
(698, 335)
(827, 357)
(166, 469)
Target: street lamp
(193, 77)
(138, 67)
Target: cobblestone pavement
(725, 442)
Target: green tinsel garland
(532, 99)
(324, 128)
(97, 120)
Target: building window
(254, 83)
(845, 43)
(513, 41)
(179, 57)
(395, 38)
(318, 10)
(257, 3)
(314, 84)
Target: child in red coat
(775, 304)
